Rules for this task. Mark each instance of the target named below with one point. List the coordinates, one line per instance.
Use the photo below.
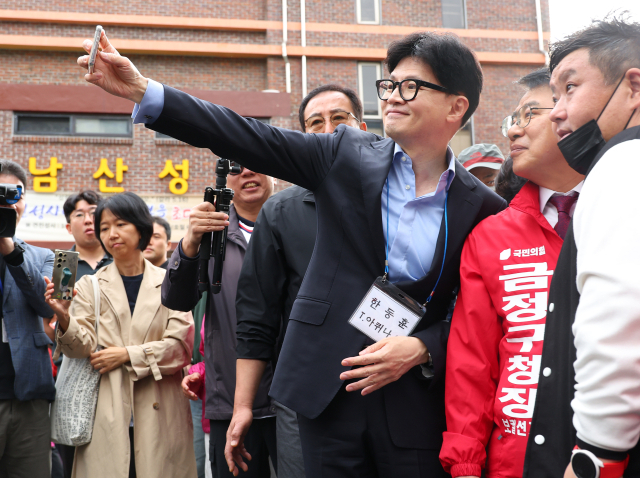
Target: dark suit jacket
(275, 264)
(23, 307)
(346, 171)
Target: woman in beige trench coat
(143, 357)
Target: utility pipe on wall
(540, 37)
(303, 42)
(287, 65)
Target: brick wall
(145, 155)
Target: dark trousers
(25, 439)
(351, 439)
(260, 442)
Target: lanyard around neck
(446, 240)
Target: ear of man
(459, 107)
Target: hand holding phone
(64, 274)
(94, 48)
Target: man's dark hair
(356, 104)
(131, 208)
(163, 222)
(91, 197)
(11, 168)
(613, 45)
(535, 79)
(452, 62)
(508, 183)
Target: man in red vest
(497, 329)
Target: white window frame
(359, 13)
(360, 86)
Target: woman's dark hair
(131, 208)
(356, 104)
(508, 183)
(91, 197)
(452, 62)
(613, 45)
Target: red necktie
(563, 204)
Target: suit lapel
(147, 304)
(462, 208)
(375, 162)
(112, 289)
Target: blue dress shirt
(414, 222)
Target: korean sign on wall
(43, 218)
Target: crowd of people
(517, 276)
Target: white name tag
(5, 339)
(386, 311)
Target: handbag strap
(96, 303)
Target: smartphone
(94, 48)
(64, 274)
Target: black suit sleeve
(261, 289)
(303, 159)
(180, 284)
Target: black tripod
(214, 244)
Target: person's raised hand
(384, 362)
(234, 450)
(191, 384)
(59, 307)
(112, 72)
(202, 218)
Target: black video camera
(9, 195)
(215, 244)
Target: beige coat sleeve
(168, 355)
(79, 340)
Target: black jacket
(552, 421)
(274, 266)
(346, 171)
(180, 292)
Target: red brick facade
(145, 155)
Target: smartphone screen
(94, 48)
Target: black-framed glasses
(316, 123)
(522, 117)
(408, 88)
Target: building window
(462, 139)
(368, 11)
(454, 14)
(36, 124)
(368, 73)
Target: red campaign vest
(516, 252)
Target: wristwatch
(586, 465)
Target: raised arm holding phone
(366, 189)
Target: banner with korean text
(43, 219)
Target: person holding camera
(142, 422)
(26, 379)
(180, 291)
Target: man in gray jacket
(180, 292)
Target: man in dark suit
(368, 191)
(26, 378)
